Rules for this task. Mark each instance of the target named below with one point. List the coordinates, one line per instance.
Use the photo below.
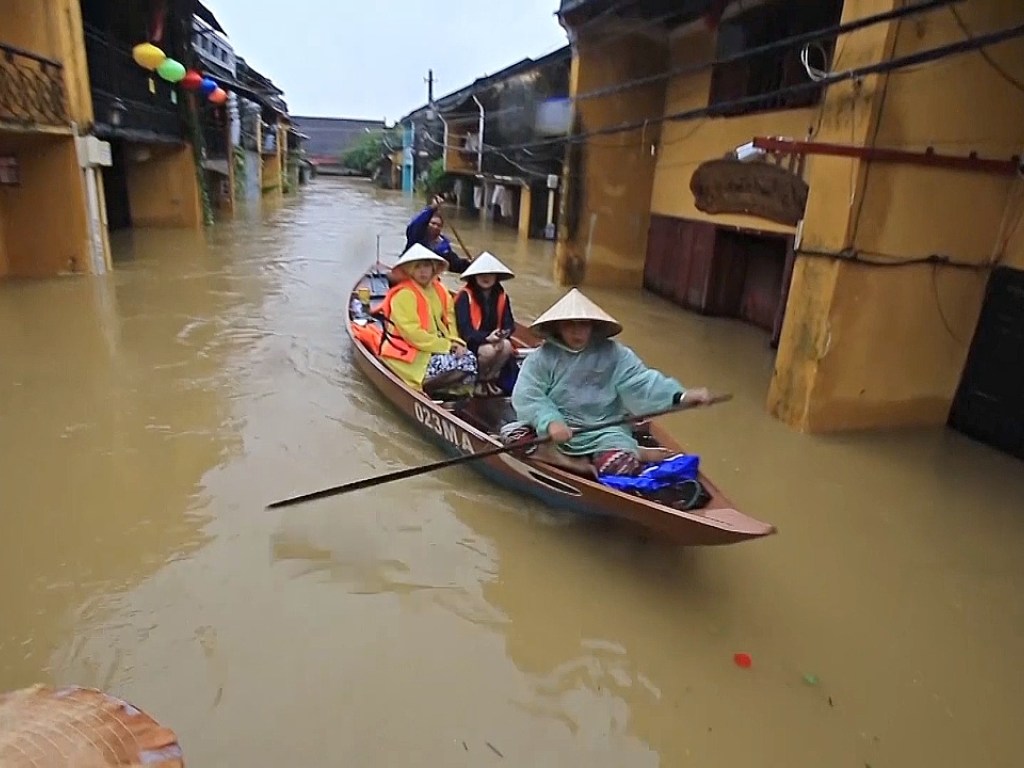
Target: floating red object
(742, 660)
(191, 81)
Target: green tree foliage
(365, 157)
(437, 181)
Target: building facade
(45, 147)
(331, 137)
(92, 142)
(489, 128)
(483, 132)
(856, 204)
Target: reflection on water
(146, 418)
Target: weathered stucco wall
(686, 144)
(867, 346)
(163, 191)
(607, 183)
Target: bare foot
(651, 455)
(576, 464)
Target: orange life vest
(394, 346)
(370, 335)
(476, 312)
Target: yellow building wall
(45, 233)
(1015, 238)
(4, 263)
(163, 191)
(53, 28)
(686, 144)
(867, 346)
(271, 178)
(606, 199)
(26, 25)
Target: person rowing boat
(580, 376)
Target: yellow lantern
(148, 56)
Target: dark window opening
(777, 69)
(989, 403)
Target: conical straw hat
(487, 264)
(421, 253)
(575, 306)
(73, 727)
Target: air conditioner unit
(748, 153)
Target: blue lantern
(207, 86)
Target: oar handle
(402, 474)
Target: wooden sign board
(9, 176)
(756, 189)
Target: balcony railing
(31, 89)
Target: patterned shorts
(439, 364)
(518, 432)
(617, 463)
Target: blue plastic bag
(671, 471)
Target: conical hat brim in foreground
(575, 306)
(420, 253)
(487, 264)
(42, 727)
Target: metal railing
(31, 88)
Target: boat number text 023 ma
(444, 429)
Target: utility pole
(430, 87)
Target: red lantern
(219, 96)
(191, 80)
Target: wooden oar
(455, 232)
(402, 474)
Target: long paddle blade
(402, 474)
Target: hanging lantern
(170, 70)
(148, 56)
(191, 81)
(207, 86)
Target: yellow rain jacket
(421, 319)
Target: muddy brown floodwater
(146, 418)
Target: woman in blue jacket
(425, 229)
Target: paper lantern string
(148, 56)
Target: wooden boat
(472, 424)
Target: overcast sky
(369, 58)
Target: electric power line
(856, 73)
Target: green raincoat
(604, 381)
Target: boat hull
(716, 524)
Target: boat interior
(489, 411)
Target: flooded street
(147, 418)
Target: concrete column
(867, 346)
(525, 209)
(485, 206)
(611, 177)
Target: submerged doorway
(989, 403)
(720, 271)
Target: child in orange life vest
(483, 314)
(421, 343)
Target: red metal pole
(929, 157)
